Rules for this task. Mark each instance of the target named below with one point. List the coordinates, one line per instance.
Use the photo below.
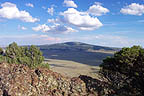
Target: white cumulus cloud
(29, 5)
(43, 28)
(82, 20)
(50, 11)
(69, 3)
(133, 9)
(97, 9)
(10, 11)
(57, 28)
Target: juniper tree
(31, 56)
(36, 55)
(13, 51)
(1, 51)
(1, 55)
(125, 71)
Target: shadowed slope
(78, 52)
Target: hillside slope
(78, 52)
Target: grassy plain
(71, 68)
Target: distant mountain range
(76, 46)
(78, 52)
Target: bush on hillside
(125, 71)
(31, 56)
(1, 55)
(1, 51)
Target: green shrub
(1, 51)
(44, 65)
(125, 71)
(31, 56)
(2, 59)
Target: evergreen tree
(1, 55)
(36, 55)
(13, 51)
(31, 56)
(1, 51)
(125, 71)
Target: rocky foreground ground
(20, 80)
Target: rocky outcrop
(96, 86)
(20, 80)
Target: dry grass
(102, 51)
(71, 68)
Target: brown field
(71, 68)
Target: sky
(113, 23)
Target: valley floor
(72, 69)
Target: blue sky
(114, 23)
